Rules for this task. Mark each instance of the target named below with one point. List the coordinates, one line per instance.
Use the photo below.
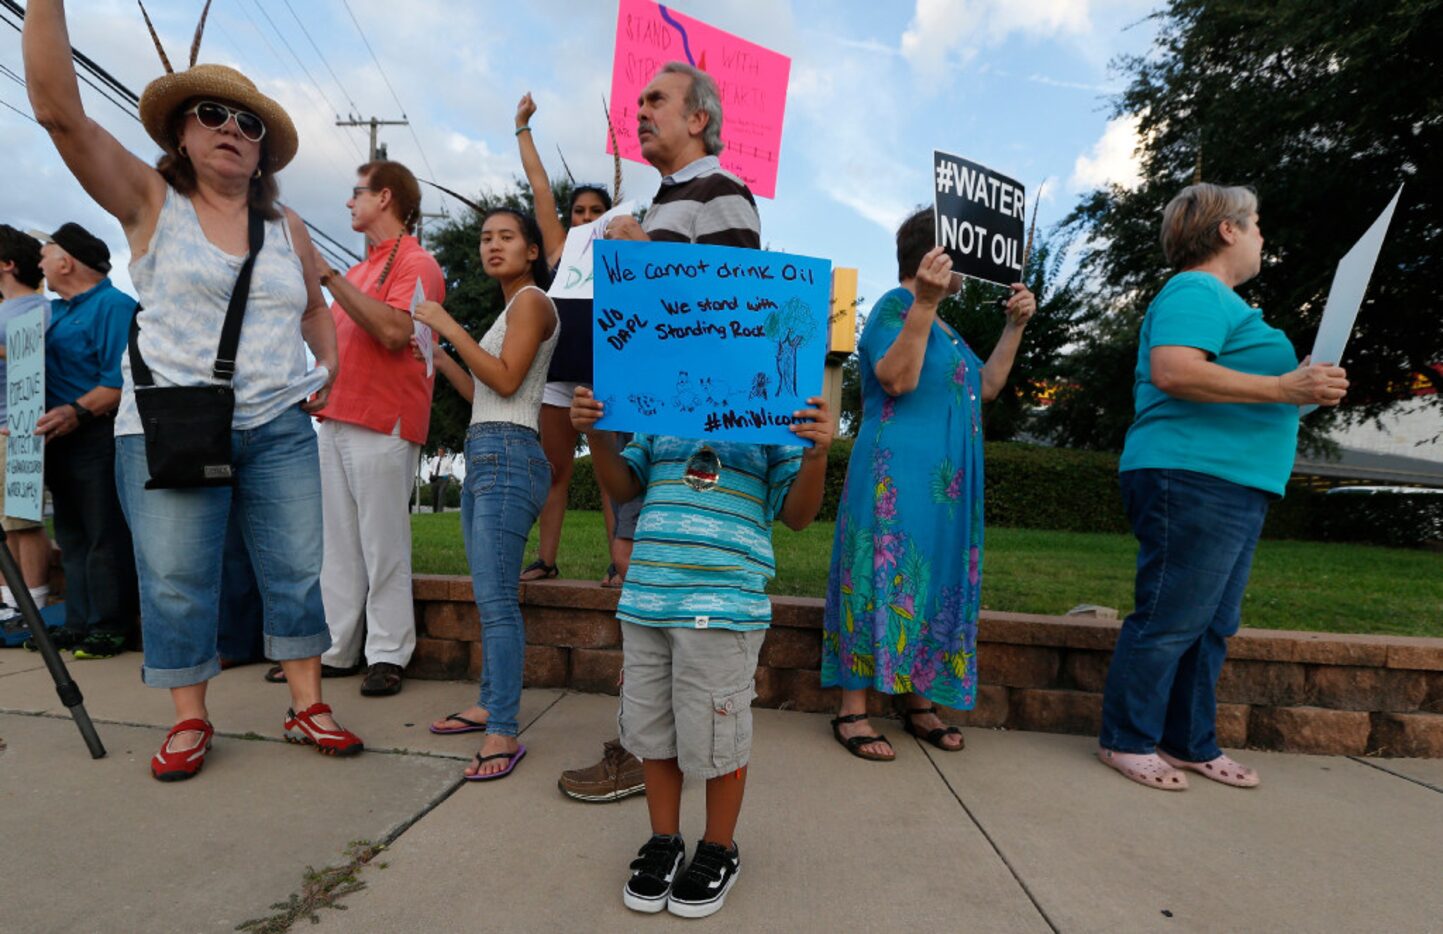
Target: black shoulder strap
(230, 331)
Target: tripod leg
(68, 690)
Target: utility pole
(378, 150)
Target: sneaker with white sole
(652, 873)
(703, 888)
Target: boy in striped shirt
(694, 611)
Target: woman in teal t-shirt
(1212, 442)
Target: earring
(258, 174)
(181, 149)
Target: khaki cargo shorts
(687, 694)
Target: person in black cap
(89, 325)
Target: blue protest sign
(707, 341)
(25, 403)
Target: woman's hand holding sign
(1021, 305)
(1314, 384)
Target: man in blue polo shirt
(89, 327)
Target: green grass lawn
(1295, 585)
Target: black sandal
(548, 571)
(934, 735)
(854, 744)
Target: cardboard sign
(980, 219)
(574, 272)
(422, 332)
(1345, 295)
(707, 341)
(752, 82)
(25, 403)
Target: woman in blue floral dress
(905, 581)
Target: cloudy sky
(1019, 85)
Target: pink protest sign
(752, 81)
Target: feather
(464, 200)
(199, 30)
(566, 167)
(156, 39)
(615, 153)
(1032, 227)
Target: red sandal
(176, 766)
(302, 728)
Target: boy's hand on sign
(815, 425)
(1021, 306)
(625, 227)
(585, 410)
(934, 277)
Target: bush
(1032, 486)
(453, 495)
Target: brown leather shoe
(616, 776)
(382, 680)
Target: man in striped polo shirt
(679, 119)
(693, 608)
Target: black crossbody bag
(188, 428)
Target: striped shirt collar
(703, 166)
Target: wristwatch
(82, 414)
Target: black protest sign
(980, 219)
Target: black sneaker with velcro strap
(703, 888)
(652, 873)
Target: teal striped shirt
(702, 557)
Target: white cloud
(1113, 159)
(943, 29)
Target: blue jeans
(507, 479)
(180, 544)
(1196, 535)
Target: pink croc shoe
(1149, 770)
(1223, 770)
(302, 728)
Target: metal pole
(68, 690)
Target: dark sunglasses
(213, 116)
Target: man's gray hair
(702, 95)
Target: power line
(307, 33)
(304, 70)
(419, 148)
(285, 66)
(6, 104)
(121, 89)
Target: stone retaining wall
(1292, 691)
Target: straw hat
(163, 96)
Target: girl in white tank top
(507, 476)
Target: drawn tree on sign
(790, 327)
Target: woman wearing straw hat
(197, 224)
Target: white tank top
(185, 282)
(524, 405)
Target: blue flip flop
(511, 757)
(472, 726)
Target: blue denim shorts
(180, 539)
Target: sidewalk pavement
(1021, 832)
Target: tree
(790, 326)
(1323, 111)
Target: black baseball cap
(80, 243)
